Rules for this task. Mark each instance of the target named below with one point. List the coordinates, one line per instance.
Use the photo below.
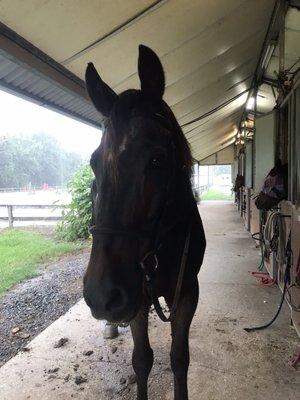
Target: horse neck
(184, 198)
(180, 209)
(181, 217)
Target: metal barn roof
(209, 50)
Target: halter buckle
(149, 267)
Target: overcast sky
(21, 116)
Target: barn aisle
(226, 362)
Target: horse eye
(158, 161)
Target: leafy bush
(76, 220)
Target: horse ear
(151, 72)
(102, 96)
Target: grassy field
(21, 252)
(215, 195)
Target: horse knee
(142, 361)
(180, 362)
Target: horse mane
(181, 144)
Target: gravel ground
(31, 306)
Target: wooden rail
(11, 218)
(202, 188)
(33, 189)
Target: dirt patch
(31, 306)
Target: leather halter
(150, 262)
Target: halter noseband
(110, 231)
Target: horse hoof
(110, 331)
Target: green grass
(213, 194)
(21, 253)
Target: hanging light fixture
(268, 55)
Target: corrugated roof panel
(47, 91)
(6, 66)
(13, 74)
(22, 79)
(53, 94)
(72, 102)
(85, 108)
(16, 77)
(31, 80)
(63, 99)
(73, 105)
(37, 87)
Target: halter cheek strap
(149, 273)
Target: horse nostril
(116, 300)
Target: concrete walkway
(226, 362)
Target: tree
(35, 160)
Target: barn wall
(264, 149)
(264, 157)
(277, 136)
(249, 163)
(294, 146)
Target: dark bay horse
(148, 238)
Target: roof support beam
(30, 73)
(25, 52)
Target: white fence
(11, 217)
(19, 208)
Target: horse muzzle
(112, 304)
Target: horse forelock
(132, 103)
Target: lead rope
(151, 288)
(287, 276)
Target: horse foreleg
(180, 326)
(142, 356)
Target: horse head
(142, 171)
